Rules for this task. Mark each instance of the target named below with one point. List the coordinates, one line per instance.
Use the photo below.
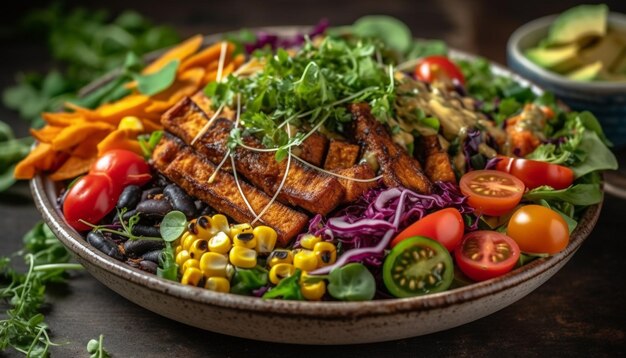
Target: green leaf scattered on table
(159, 81)
(95, 348)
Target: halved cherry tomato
(486, 254)
(90, 199)
(123, 166)
(535, 173)
(438, 68)
(445, 226)
(491, 192)
(538, 230)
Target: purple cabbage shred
(274, 41)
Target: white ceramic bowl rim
(44, 193)
(514, 49)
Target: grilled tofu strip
(313, 149)
(354, 189)
(399, 169)
(341, 155)
(437, 164)
(190, 171)
(304, 187)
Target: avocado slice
(586, 73)
(607, 50)
(557, 57)
(577, 23)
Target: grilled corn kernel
(280, 256)
(220, 243)
(238, 229)
(179, 248)
(230, 271)
(192, 227)
(221, 223)
(190, 263)
(188, 239)
(192, 276)
(280, 271)
(308, 241)
(131, 123)
(218, 284)
(213, 264)
(181, 257)
(312, 291)
(245, 239)
(326, 253)
(242, 257)
(306, 260)
(205, 227)
(198, 248)
(265, 239)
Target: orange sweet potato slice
(46, 134)
(180, 52)
(72, 168)
(62, 119)
(209, 55)
(37, 159)
(132, 105)
(74, 134)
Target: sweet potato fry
(46, 134)
(37, 159)
(180, 52)
(72, 167)
(73, 135)
(89, 147)
(207, 56)
(132, 105)
(62, 119)
(120, 139)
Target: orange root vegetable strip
(207, 56)
(132, 105)
(88, 113)
(62, 119)
(73, 135)
(89, 147)
(120, 139)
(152, 125)
(46, 134)
(212, 76)
(37, 159)
(190, 82)
(180, 52)
(72, 168)
(239, 60)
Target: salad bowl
(309, 322)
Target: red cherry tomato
(535, 173)
(90, 199)
(538, 230)
(445, 226)
(123, 166)
(491, 192)
(438, 68)
(486, 254)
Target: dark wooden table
(579, 312)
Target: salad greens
(352, 282)
(12, 150)
(287, 289)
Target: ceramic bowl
(308, 322)
(607, 100)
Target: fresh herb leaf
(288, 288)
(422, 48)
(149, 142)
(579, 194)
(96, 348)
(352, 282)
(598, 156)
(390, 30)
(173, 225)
(246, 280)
(158, 81)
(168, 268)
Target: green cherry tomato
(417, 266)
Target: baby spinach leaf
(158, 81)
(579, 194)
(287, 289)
(391, 31)
(352, 282)
(598, 156)
(247, 280)
(173, 225)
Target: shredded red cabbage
(365, 229)
(274, 41)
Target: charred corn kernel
(205, 227)
(181, 257)
(187, 239)
(221, 223)
(305, 260)
(280, 256)
(238, 229)
(178, 249)
(192, 227)
(265, 239)
(218, 284)
(242, 257)
(213, 264)
(132, 123)
(220, 243)
(192, 276)
(198, 248)
(245, 239)
(312, 291)
(326, 253)
(308, 241)
(230, 271)
(190, 263)
(280, 271)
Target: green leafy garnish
(12, 150)
(149, 142)
(287, 289)
(246, 280)
(390, 30)
(578, 194)
(352, 282)
(173, 225)
(96, 348)
(158, 81)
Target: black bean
(104, 244)
(208, 211)
(152, 207)
(150, 193)
(137, 248)
(127, 215)
(148, 266)
(130, 197)
(162, 181)
(146, 230)
(200, 205)
(154, 256)
(180, 200)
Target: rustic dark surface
(579, 312)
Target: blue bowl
(607, 100)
